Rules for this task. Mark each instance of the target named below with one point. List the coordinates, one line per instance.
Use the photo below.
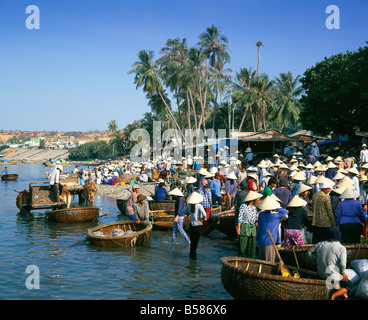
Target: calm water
(70, 269)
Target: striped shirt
(207, 197)
(247, 214)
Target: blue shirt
(207, 197)
(350, 211)
(179, 206)
(269, 220)
(161, 193)
(216, 187)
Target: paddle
(107, 214)
(284, 269)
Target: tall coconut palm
(259, 45)
(148, 75)
(112, 125)
(215, 48)
(265, 97)
(244, 93)
(288, 91)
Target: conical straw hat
(274, 197)
(339, 190)
(363, 178)
(303, 188)
(195, 198)
(331, 165)
(297, 202)
(365, 166)
(345, 183)
(321, 179)
(309, 166)
(353, 171)
(299, 176)
(209, 175)
(176, 192)
(322, 167)
(312, 180)
(329, 158)
(331, 182)
(338, 176)
(202, 171)
(269, 204)
(284, 166)
(349, 194)
(190, 180)
(316, 164)
(231, 176)
(213, 170)
(252, 195)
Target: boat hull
(249, 279)
(73, 215)
(141, 237)
(9, 177)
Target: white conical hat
(321, 179)
(329, 158)
(213, 170)
(325, 185)
(231, 176)
(299, 176)
(363, 178)
(233, 159)
(349, 194)
(297, 202)
(303, 188)
(331, 165)
(338, 176)
(195, 198)
(293, 168)
(202, 171)
(312, 180)
(190, 180)
(176, 192)
(309, 166)
(274, 197)
(209, 175)
(330, 182)
(321, 167)
(284, 166)
(365, 166)
(316, 164)
(353, 171)
(345, 183)
(252, 195)
(269, 204)
(339, 190)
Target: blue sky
(72, 73)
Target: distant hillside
(16, 136)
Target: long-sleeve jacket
(350, 211)
(323, 215)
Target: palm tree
(265, 97)
(259, 45)
(112, 125)
(287, 92)
(215, 46)
(148, 74)
(244, 93)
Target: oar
(284, 269)
(107, 214)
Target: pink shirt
(132, 199)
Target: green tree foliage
(336, 94)
(91, 151)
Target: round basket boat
(140, 234)
(9, 177)
(245, 278)
(80, 214)
(164, 219)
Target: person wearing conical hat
(247, 225)
(303, 193)
(323, 216)
(354, 174)
(314, 153)
(198, 215)
(350, 217)
(296, 221)
(363, 157)
(331, 170)
(230, 190)
(249, 157)
(296, 181)
(190, 181)
(269, 218)
(205, 191)
(178, 215)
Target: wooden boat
(9, 177)
(48, 164)
(223, 221)
(297, 255)
(78, 214)
(29, 161)
(153, 205)
(9, 162)
(245, 278)
(141, 235)
(164, 220)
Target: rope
(296, 259)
